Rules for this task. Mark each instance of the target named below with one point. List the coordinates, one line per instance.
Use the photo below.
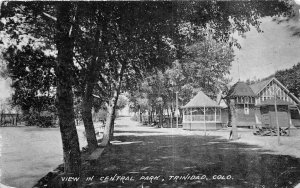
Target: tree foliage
(32, 74)
(203, 67)
(33, 79)
(290, 78)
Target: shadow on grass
(140, 132)
(198, 161)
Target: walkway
(142, 153)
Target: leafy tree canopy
(33, 77)
(290, 78)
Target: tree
(233, 119)
(90, 68)
(135, 48)
(204, 66)
(291, 79)
(32, 74)
(27, 23)
(65, 33)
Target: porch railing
(200, 118)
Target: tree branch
(49, 16)
(96, 96)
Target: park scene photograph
(150, 94)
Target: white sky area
(262, 54)
(5, 89)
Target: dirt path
(153, 157)
(289, 145)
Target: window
(186, 111)
(246, 109)
(246, 100)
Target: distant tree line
(290, 78)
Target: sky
(261, 55)
(5, 90)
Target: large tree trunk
(233, 119)
(65, 45)
(229, 123)
(109, 119)
(111, 132)
(229, 118)
(109, 126)
(87, 105)
(88, 122)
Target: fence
(166, 120)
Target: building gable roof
(258, 87)
(201, 100)
(240, 89)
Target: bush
(40, 120)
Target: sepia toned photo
(150, 94)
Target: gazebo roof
(272, 102)
(240, 89)
(201, 100)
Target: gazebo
(201, 113)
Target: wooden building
(201, 113)
(244, 103)
(255, 104)
(268, 113)
(288, 104)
